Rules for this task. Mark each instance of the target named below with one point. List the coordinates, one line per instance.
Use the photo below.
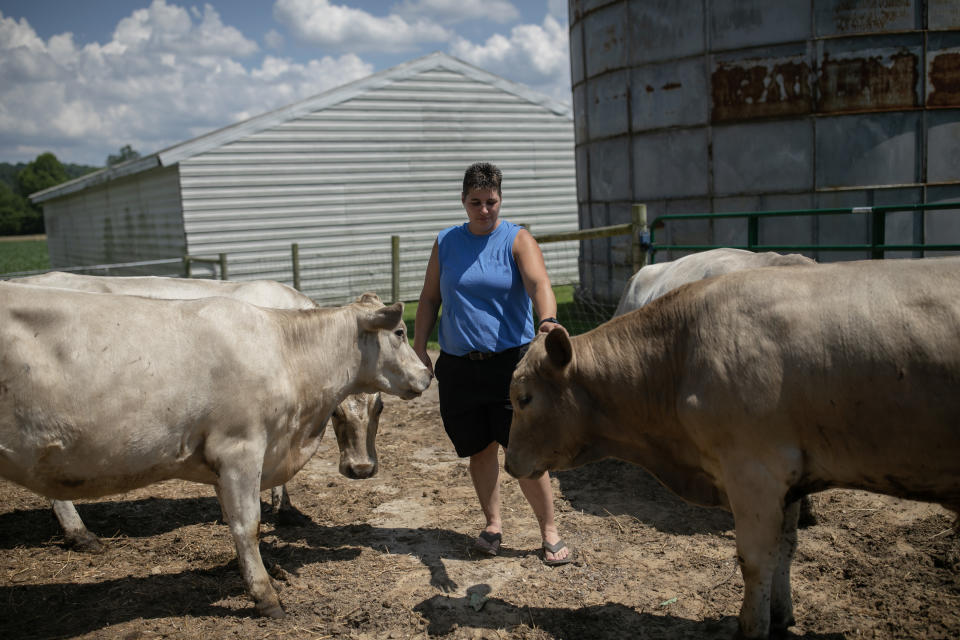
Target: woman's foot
(554, 550)
(556, 553)
(488, 543)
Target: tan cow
(752, 389)
(103, 393)
(355, 423)
(654, 280)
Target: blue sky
(84, 78)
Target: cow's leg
(808, 516)
(285, 513)
(239, 493)
(758, 516)
(76, 536)
(279, 498)
(223, 513)
(781, 602)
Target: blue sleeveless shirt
(485, 306)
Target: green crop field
(23, 255)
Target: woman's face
(483, 210)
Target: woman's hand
(425, 359)
(549, 324)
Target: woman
(485, 272)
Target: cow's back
(857, 364)
(264, 293)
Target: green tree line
(19, 216)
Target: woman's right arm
(428, 308)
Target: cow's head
(548, 409)
(355, 422)
(387, 361)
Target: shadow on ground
(614, 487)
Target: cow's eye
(398, 333)
(524, 400)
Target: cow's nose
(359, 470)
(424, 380)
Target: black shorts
(475, 399)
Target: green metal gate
(877, 245)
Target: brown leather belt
(486, 355)
(481, 355)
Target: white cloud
(273, 39)
(168, 28)
(535, 55)
(166, 76)
(343, 28)
(453, 11)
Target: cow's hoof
(292, 517)
(84, 543)
(273, 610)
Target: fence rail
(642, 239)
(103, 269)
(877, 245)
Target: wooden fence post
(223, 266)
(395, 268)
(640, 238)
(186, 266)
(295, 256)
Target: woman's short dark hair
(482, 175)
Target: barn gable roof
(185, 150)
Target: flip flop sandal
(488, 543)
(554, 548)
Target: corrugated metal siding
(747, 105)
(131, 219)
(340, 181)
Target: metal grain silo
(749, 105)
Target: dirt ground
(390, 557)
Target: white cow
(263, 293)
(654, 280)
(754, 388)
(361, 415)
(103, 393)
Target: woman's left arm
(533, 270)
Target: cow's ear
(559, 348)
(369, 297)
(382, 318)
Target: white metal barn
(338, 174)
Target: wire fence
(162, 267)
(334, 275)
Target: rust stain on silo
(744, 92)
(868, 83)
(867, 16)
(945, 80)
(611, 38)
